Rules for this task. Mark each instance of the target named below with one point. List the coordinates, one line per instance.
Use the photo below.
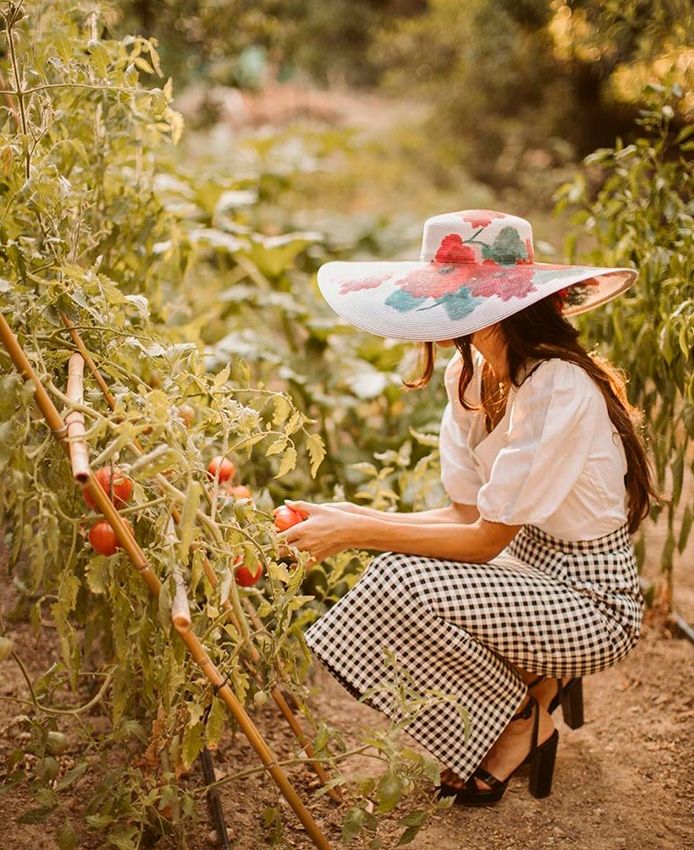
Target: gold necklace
(494, 404)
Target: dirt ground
(622, 781)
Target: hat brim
(428, 301)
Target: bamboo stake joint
(79, 455)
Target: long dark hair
(541, 331)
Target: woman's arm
(454, 512)
(329, 530)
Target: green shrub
(643, 216)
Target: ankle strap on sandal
(525, 713)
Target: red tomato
(103, 538)
(115, 483)
(244, 576)
(240, 491)
(286, 517)
(226, 468)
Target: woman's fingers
(289, 535)
(301, 507)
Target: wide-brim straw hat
(476, 267)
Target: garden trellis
(254, 656)
(180, 611)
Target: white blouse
(554, 460)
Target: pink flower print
(508, 282)
(452, 250)
(436, 281)
(364, 283)
(481, 218)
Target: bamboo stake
(91, 365)
(180, 609)
(79, 456)
(275, 692)
(214, 801)
(139, 561)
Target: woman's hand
(328, 529)
(348, 507)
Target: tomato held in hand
(103, 538)
(286, 517)
(226, 468)
(244, 576)
(115, 483)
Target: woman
(527, 580)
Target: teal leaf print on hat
(459, 304)
(507, 248)
(403, 301)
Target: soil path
(622, 780)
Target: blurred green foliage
(518, 88)
(522, 86)
(233, 41)
(643, 216)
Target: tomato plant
(91, 242)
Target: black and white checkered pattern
(550, 606)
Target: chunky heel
(541, 758)
(542, 767)
(572, 703)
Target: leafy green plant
(81, 234)
(642, 216)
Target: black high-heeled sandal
(570, 696)
(541, 757)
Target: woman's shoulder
(560, 389)
(555, 372)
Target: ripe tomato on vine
(115, 483)
(239, 491)
(244, 576)
(103, 538)
(227, 470)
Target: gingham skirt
(550, 606)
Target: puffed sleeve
(550, 432)
(459, 475)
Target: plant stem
(19, 94)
